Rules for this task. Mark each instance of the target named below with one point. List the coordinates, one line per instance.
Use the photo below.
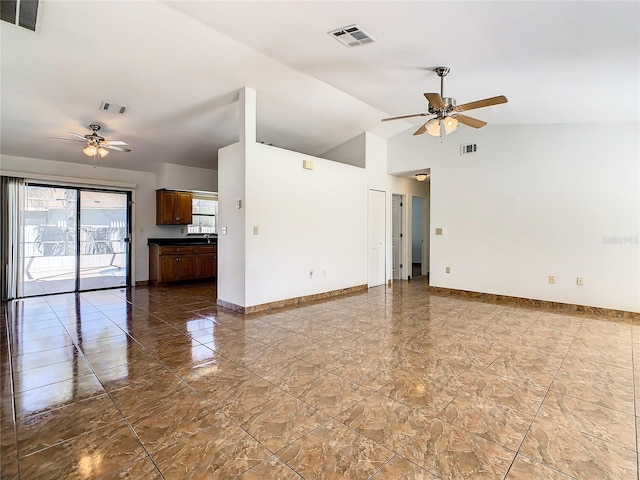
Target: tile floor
(152, 383)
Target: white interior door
(396, 236)
(377, 239)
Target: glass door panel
(49, 246)
(104, 239)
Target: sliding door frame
(129, 229)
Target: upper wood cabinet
(173, 207)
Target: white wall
(351, 152)
(231, 245)
(144, 197)
(308, 220)
(177, 177)
(536, 200)
(379, 179)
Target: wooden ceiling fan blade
(435, 99)
(422, 129)
(77, 135)
(113, 147)
(470, 121)
(70, 139)
(113, 142)
(405, 116)
(487, 102)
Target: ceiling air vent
(468, 148)
(23, 13)
(351, 36)
(113, 108)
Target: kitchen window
(204, 215)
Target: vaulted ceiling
(177, 67)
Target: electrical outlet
(552, 279)
(448, 270)
(182, 230)
(310, 274)
(324, 273)
(255, 230)
(580, 281)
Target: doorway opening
(73, 239)
(420, 237)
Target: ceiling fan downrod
(442, 72)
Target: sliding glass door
(104, 239)
(73, 239)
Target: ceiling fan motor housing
(449, 105)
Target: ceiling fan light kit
(447, 114)
(96, 144)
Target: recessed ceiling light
(351, 36)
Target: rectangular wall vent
(113, 108)
(23, 13)
(468, 148)
(351, 36)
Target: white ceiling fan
(96, 144)
(447, 113)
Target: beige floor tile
(386, 421)
(428, 392)
(334, 451)
(605, 385)
(524, 468)
(203, 387)
(491, 421)
(450, 452)
(328, 357)
(36, 432)
(527, 365)
(609, 425)
(505, 391)
(144, 468)
(173, 418)
(330, 394)
(91, 455)
(220, 451)
(280, 420)
(57, 395)
(577, 454)
(271, 468)
(400, 468)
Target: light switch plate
(223, 230)
(438, 231)
(255, 230)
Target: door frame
(384, 239)
(399, 271)
(128, 240)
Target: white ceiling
(178, 65)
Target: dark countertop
(213, 240)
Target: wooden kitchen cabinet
(207, 261)
(173, 207)
(175, 263)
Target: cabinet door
(169, 265)
(184, 208)
(166, 207)
(187, 267)
(206, 266)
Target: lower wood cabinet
(207, 261)
(175, 263)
